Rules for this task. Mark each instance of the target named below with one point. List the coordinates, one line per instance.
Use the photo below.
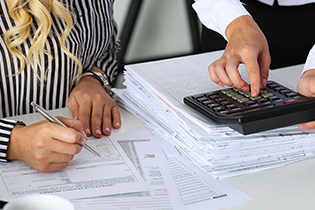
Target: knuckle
(40, 143)
(86, 96)
(99, 97)
(230, 67)
(248, 49)
(84, 115)
(96, 115)
(40, 157)
(106, 115)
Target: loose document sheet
(175, 182)
(87, 175)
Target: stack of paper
(155, 92)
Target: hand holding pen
(46, 146)
(52, 118)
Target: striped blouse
(92, 40)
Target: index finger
(253, 71)
(65, 134)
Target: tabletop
(289, 187)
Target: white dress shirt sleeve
(310, 61)
(218, 14)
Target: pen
(52, 118)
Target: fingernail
(88, 132)
(304, 126)
(107, 130)
(98, 132)
(221, 84)
(118, 124)
(255, 92)
(76, 117)
(84, 135)
(264, 82)
(84, 141)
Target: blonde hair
(21, 11)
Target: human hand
(46, 146)
(306, 87)
(247, 44)
(90, 103)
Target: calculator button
(274, 98)
(202, 99)
(211, 106)
(224, 103)
(263, 100)
(283, 92)
(212, 95)
(267, 95)
(232, 93)
(218, 109)
(235, 97)
(263, 91)
(277, 100)
(207, 102)
(223, 112)
(293, 100)
(279, 89)
(248, 103)
(225, 91)
(254, 105)
(255, 98)
(273, 86)
(247, 94)
(231, 106)
(268, 103)
(291, 95)
(198, 96)
(242, 100)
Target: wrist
(242, 23)
(101, 77)
(13, 150)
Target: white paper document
(87, 175)
(175, 182)
(155, 92)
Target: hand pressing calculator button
(276, 106)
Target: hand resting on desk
(46, 146)
(90, 103)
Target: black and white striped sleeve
(6, 127)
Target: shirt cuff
(218, 14)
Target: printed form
(87, 175)
(175, 181)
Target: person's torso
(94, 31)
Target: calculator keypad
(233, 100)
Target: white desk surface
(291, 187)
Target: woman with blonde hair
(55, 53)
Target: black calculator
(276, 106)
